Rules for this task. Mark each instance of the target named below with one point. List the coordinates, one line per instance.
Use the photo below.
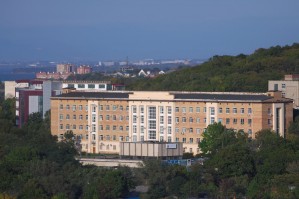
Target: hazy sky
(114, 29)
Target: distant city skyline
(72, 30)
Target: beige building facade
(289, 87)
(101, 120)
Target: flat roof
(221, 97)
(100, 95)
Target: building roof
(97, 95)
(221, 96)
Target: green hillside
(229, 73)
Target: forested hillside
(229, 73)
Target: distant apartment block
(84, 69)
(101, 120)
(65, 68)
(289, 87)
(63, 71)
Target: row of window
(212, 110)
(86, 127)
(161, 109)
(101, 107)
(190, 141)
(101, 117)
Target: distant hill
(248, 73)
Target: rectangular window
(107, 127)
(61, 106)
(134, 109)
(161, 130)
(93, 117)
(80, 107)
(191, 119)
(177, 109)
(61, 116)
(168, 139)
(93, 128)
(121, 128)
(107, 137)
(94, 108)
(121, 138)
(152, 112)
(212, 111)
(161, 139)
(235, 110)
(197, 109)
(227, 110)
(141, 129)
(242, 111)
(81, 127)
(169, 110)
(184, 140)
(227, 121)
(61, 126)
(114, 107)
(190, 109)
(249, 111)
(183, 119)
(235, 121)
(191, 130)
(191, 140)
(161, 119)
(161, 108)
(198, 131)
(107, 107)
(134, 119)
(169, 120)
(220, 120)
(101, 107)
(101, 117)
(169, 130)
(177, 130)
(134, 129)
(249, 121)
(204, 109)
(127, 128)
(177, 120)
(100, 127)
(220, 110)
(183, 109)
(86, 107)
(121, 108)
(242, 121)
(67, 107)
(142, 119)
(141, 108)
(114, 128)
(212, 120)
(283, 85)
(177, 139)
(81, 85)
(198, 120)
(86, 117)
(80, 117)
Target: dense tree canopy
(229, 73)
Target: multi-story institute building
(104, 119)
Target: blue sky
(66, 30)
